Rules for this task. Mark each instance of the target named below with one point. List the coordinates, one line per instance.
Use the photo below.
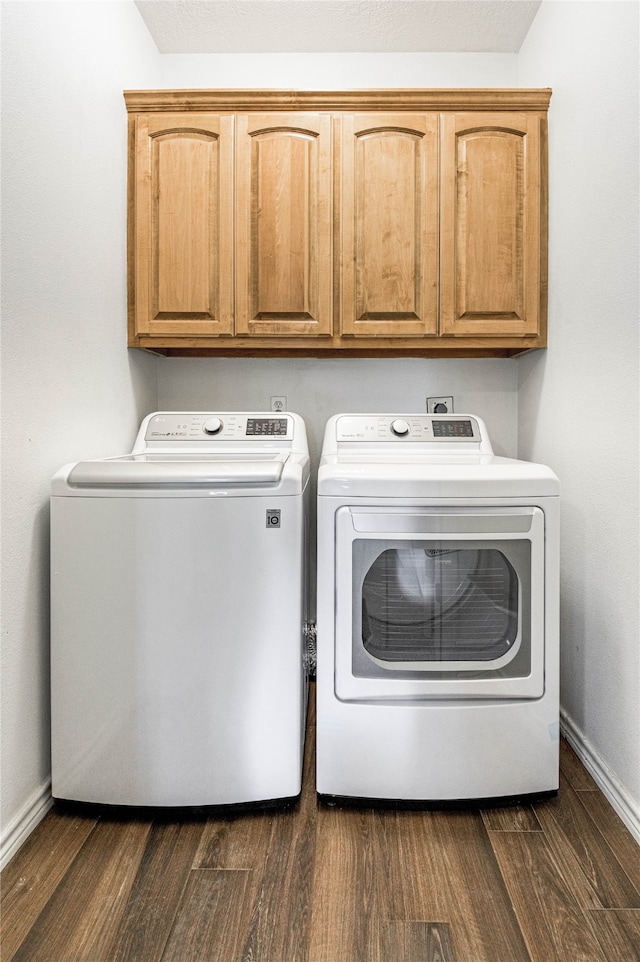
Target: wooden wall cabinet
(181, 225)
(283, 249)
(389, 226)
(491, 243)
(363, 223)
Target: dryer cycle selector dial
(212, 426)
(399, 427)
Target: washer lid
(148, 470)
(199, 454)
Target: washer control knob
(212, 426)
(399, 427)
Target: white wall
(578, 402)
(318, 388)
(70, 387)
(339, 71)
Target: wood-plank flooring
(558, 880)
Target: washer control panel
(408, 427)
(220, 426)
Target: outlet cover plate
(440, 405)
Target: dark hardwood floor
(558, 880)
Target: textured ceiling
(338, 26)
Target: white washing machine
(178, 599)
(437, 622)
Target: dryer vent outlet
(439, 405)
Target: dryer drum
(426, 604)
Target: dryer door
(439, 602)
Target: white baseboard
(20, 827)
(626, 807)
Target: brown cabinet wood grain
(490, 239)
(183, 221)
(363, 223)
(389, 244)
(284, 264)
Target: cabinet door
(491, 217)
(284, 276)
(389, 225)
(183, 227)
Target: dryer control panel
(408, 428)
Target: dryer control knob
(212, 426)
(399, 427)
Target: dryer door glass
(439, 602)
(428, 603)
(441, 605)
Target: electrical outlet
(278, 403)
(439, 405)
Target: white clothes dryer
(437, 613)
(178, 599)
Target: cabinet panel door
(183, 224)
(491, 214)
(389, 225)
(284, 273)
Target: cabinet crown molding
(414, 99)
